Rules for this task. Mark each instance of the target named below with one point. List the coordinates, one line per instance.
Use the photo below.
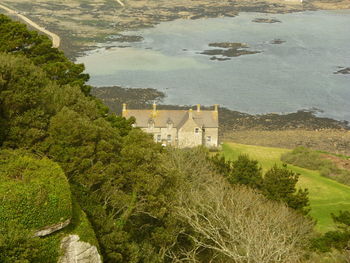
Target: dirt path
(56, 40)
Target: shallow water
(297, 74)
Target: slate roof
(203, 118)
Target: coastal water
(295, 74)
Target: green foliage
(127, 185)
(135, 222)
(338, 239)
(246, 171)
(280, 184)
(33, 191)
(22, 101)
(17, 244)
(306, 158)
(277, 184)
(313, 160)
(81, 226)
(15, 38)
(325, 195)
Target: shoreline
(230, 120)
(82, 25)
(301, 128)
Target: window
(159, 138)
(196, 130)
(150, 124)
(208, 138)
(168, 138)
(169, 124)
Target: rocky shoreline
(230, 120)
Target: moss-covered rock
(33, 191)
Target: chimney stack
(216, 106)
(190, 115)
(198, 107)
(154, 110)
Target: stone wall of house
(187, 135)
(163, 132)
(213, 133)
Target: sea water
(296, 74)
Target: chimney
(215, 112)
(190, 116)
(198, 107)
(216, 106)
(124, 110)
(154, 112)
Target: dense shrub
(17, 244)
(313, 160)
(306, 158)
(33, 191)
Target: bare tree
(236, 223)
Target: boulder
(75, 251)
(52, 228)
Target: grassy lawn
(326, 196)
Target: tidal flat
(293, 73)
(83, 23)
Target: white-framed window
(208, 138)
(168, 138)
(196, 130)
(159, 138)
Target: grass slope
(326, 196)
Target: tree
(339, 238)
(241, 171)
(280, 184)
(235, 223)
(247, 172)
(16, 39)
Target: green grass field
(326, 196)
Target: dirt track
(56, 40)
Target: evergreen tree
(280, 184)
(246, 171)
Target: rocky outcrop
(50, 229)
(75, 251)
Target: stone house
(179, 128)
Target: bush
(306, 158)
(313, 160)
(33, 191)
(17, 244)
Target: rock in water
(75, 251)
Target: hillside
(81, 184)
(326, 196)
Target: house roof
(203, 118)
